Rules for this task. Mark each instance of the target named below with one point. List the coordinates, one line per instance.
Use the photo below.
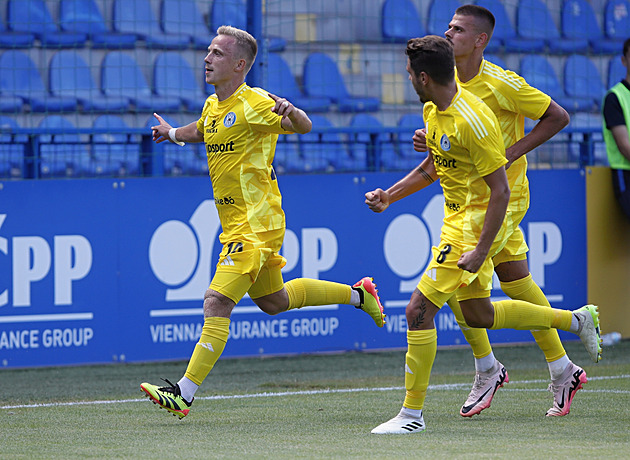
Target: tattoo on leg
(419, 320)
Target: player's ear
(241, 65)
(482, 39)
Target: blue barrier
(102, 270)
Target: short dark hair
(479, 12)
(434, 56)
(626, 46)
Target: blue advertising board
(99, 271)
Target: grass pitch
(314, 407)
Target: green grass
(322, 424)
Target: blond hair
(245, 41)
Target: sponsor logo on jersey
(444, 162)
(212, 129)
(220, 148)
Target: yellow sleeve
(486, 146)
(525, 99)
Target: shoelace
(174, 389)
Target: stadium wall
(104, 270)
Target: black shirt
(612, 109)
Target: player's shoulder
(501, 78)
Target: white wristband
(171, 134)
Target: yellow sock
(526, 289)
(308, 292)
(476, 338)
(517, 314)
(213, 338)
(421, 349)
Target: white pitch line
(446, 386)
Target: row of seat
(534, 29)
(181, 24)
(113, 153)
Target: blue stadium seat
(33, 17)
(281, 82)
(504, 35)
(234, 13)
(11, 150)
(70, 76)
(616, 71)
(62, 155)
(322, 78)
(617, 21)
(136, 17)
(182, 17)
(178, 161)
(19, 77)
(173, 76)
(364, 155)
(12, 40)
(321, 152)
(440, 14)
(287, 158)
(406, 158)
(114, 153)
(83, 16)
(495, 60)
(400, 21)
(533, 26)
(121, 76)
(540, 74)
(579, 22)
(583, 83)
(535, 23)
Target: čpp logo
(180, 253)
(408, 240)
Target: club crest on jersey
(445, 143)
(229, 119)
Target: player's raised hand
(420, 140)
(377, 200)
(283, 107)
(160, 132)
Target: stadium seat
(287, 158)
(322, 78)
(281, 82)
(114, 153)
(495, 60)
(177, 161)
(616, 71)
(62, 155)
(182, 17)
(406, 158)
(617, 21)
(34, 17)
(121, 76)
(321, 149)
(440, 14)
(19, 77)
(234, 13)
(535, 23)
(579, 22)
(12, 40)
(583, 83)
(173, 77)
(366, 147)
(10, 104)
(400, 21)
(83, 16)
(11, 150)
(70, 76)
(136, 17)
(504, 35)
(540, 74)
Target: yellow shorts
(246, 267)
(515, 249)
(443, 277)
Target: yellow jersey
(466, 143)
(240, 135)
(511, 99)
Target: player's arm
(188, 133)
(379, 200)
(622, 139)
(497, 205)
(551, 123)
(293, 119)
